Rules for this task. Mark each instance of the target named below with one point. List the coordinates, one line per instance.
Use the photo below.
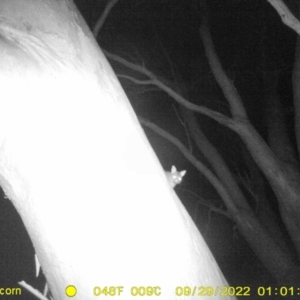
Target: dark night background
(163, 36)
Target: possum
(175, 177)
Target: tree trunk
(78, 168)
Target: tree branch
(229, 90)
(110, 4)
(285, 14)
(32, 290)
(220, 118)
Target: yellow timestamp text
(134, 291)
(201, 291)
(283, 291)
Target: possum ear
(182, 173)
(173, 169)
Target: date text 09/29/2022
(201, 291)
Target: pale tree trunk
(78, 168)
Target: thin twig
(32, 290)
(203, 202)
(110, 4)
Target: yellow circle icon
(71, 290)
